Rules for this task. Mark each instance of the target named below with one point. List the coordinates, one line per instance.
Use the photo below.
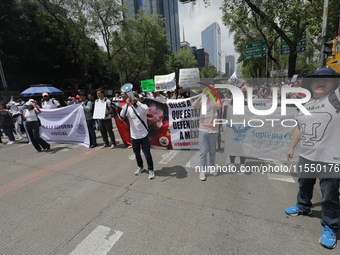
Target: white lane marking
(168, 156)
(99, 242)
(281, 177)
(194, 160)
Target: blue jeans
(9, 133)
(207, 145)
(330, 195)
(145, 144)
(92, 133)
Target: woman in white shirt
(30, 115)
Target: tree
(208, 72)
(141, 47)
(289, 19)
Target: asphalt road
(75, 200)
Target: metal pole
(323, 34)
(267, 51)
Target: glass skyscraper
(167, 8)
(211, 42)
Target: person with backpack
(88, 109)
(48, 103)
(319, 155)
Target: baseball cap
(29, 103)
(77, 96)
(45, 94)
(320, 73)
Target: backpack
(334, 100)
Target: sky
(195, 18)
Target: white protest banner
(64, 125)
(189, 77)
(165, 82)
(99, 109)
(184, 123)
(260, 137)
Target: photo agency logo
(239, 106)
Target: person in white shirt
(30, 115)
(136, 112)
(48, 103)
(105, 124)
(319, 155)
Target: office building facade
(230, 64)
(211, 42)
(166, 8)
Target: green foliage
(141, 48)
(182, 59)
(257, 20)
(208, 72)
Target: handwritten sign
(189, 77)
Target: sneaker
(295, 211)
(113, 146)
(93, 145)
(48, 148)
(20, 138)
(105, 145)
(202, 176)
(129, 147)
(139, 171)
(328, 238)
(213, 172)
(151, 174)
(10, 142)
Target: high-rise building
(166, 8)
(199, 56)
(230, 64)
(211, 42)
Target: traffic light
(330, 47)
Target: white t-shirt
(49, 104)
(137, 129)
(319, 132)
(30, 115)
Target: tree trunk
(292, 63)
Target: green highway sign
(254, 45)
(300, 43)
(255, 56)
(291, 38)
(148, 85)
(255, 50)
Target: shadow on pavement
(176, 171)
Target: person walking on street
(319, 147)
(88, 109)
(30, 115)
(7, 123)
(136, 112)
